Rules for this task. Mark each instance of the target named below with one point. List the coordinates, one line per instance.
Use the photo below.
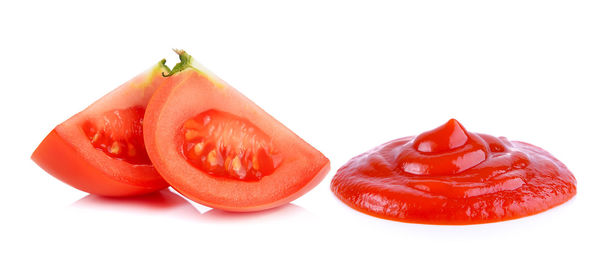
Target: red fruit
(101, 149)
(218, 148)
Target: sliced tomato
(101, 149)
(218, 148)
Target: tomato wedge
(218, 148)
(101, 149)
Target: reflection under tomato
(284, 211)
(170, 203)
(163, 201)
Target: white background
(345, 76)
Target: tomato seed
(119, 134)
(222, 144)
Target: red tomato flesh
(118, 134)
(451, 176)
(222, 144)
(101, 149)
(218, 148)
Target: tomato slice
(218, 148)
(101, 149)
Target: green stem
(163, 65)
(185, 62)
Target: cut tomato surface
(101, 149)
(218, 148)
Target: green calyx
(162, 65)
(185, 62)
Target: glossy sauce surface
(451, 176)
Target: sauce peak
(446, 150)
(446, 137)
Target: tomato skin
(60, 159)
(191, 92)
(68, 154)
(228, 206)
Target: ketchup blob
(451, 176)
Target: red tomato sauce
(451, 176)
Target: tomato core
(225, 145)
(118, 133)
